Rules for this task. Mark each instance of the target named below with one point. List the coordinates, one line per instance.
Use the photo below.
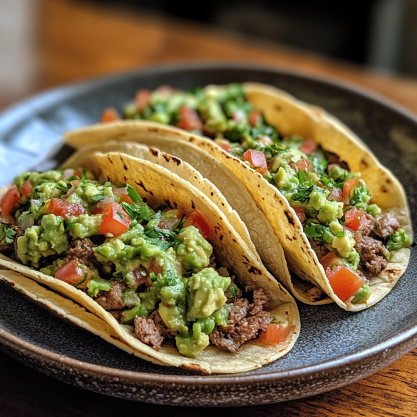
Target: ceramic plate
(334, 348)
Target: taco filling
(152, 269)
(352, 238)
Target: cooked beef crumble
(372, 255)
(386, 224)
(112, 300)
(244, 323)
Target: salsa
(153, 269)
(332, 203)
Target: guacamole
(333, 204)
(152, 269)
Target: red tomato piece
(348, 186)
(266, 140)
(223, 144)
(26, 189)
(255, 117)
(353, 218)
(344, 282)
(189, 119)
(110, 115)
(257, 160)
(9, 199)
(336, 194)
(275, 333)
(299, 211)
(303, 165)
(308, 146)
(62, 208)
(98, 210)
(197, 220)
(72, 273)
(75, 183)
(115, 220)
(330, 260)
(124, 198)
(142, 99)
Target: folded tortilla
(290, 117)
(161, 186)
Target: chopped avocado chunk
(207, 289)
(362, 294)
(85, 225)
(96, 285)
(193, 251)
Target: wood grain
(76, 41)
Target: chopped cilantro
(9, 234)
(136, 198)
(97, 197)
(120, 215)
(303, 194)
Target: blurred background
(44, 43)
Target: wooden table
(76, 41)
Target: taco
(153, 258)
(340, 216)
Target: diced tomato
(348, 187)
(330, 260)
(266, 140)
(197, 220)
(115, 220)
(344, 282)
(142, 99)
(110, 115)
(75, 183)
(9, 199)
(119, 191)
(238, 116)
(275, 333)
(98, 210)
(26, 189)
(189, 119)
(255, 117)
(257, 160)
(62, 208)
(170, 223)
(308, 146)
(72, 273)
(303, 165)
(68, 173)
(336, 194)
(299, 211)
(356, 219)
(223, 144)
(124, 198)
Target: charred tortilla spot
(175, 205)
(192, 204)
(151, 193)
(124, 165)
(364, 163)
(140, 183)
(167, 202)
(383, 189)
(110, 160)
(166, 157)
(192, 139)
(234, 240)
(289, 217)
(221, 237)
(193, 367)
(172, 184)
(223, 204)
(388, 181)
(277, 107)
(154, 152)
(109, 178)
(152, 129)
(254, 270)
(125, 178)
(176, 160)
(212, 194)
(288, 237)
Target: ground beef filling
(244, 323)
(113, 299)
(152, 330)
(320, 248)
(386, 224)
(372, 256)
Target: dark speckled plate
(335, 347)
